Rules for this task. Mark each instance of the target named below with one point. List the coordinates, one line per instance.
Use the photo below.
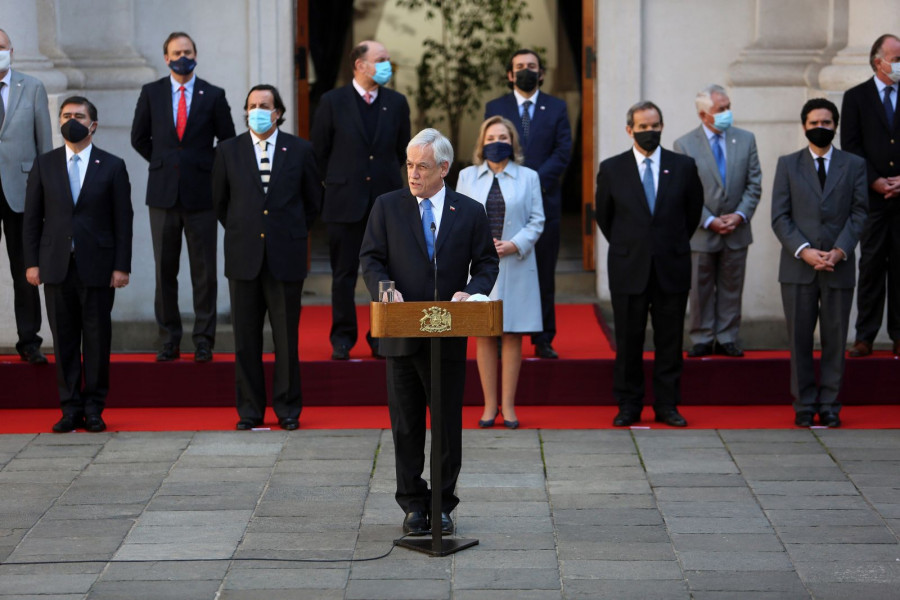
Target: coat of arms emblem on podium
(436, 320)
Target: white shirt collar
(510, 170)
(188, 87)
(881, 85)
(437, 206)
(710, 134)
(653, 157)
(8, 77)
(270, 139)
(362, 91)
(520, 99)
(83, 156)
(826, 156)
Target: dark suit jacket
(394, 249)
(180, 170)
(274, 225)
(866, 133)
(549, 146)
(802, 212)
(357, 170)
(638, 239)
(100, 223)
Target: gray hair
(443, 149)
(704, 100)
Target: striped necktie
(264, 170)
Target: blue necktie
(526, 119)
(649, 190)
(888, 107)
(74, 178)
(719, 153)
(427, 220)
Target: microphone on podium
(434, 239)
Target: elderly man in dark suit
(648, 205)
(176, 121)
(409, 231)
(359, 135)
(266, 193)
(819, 200)
(543, 126)
(77, 242)
(871, 130)
(24, 133)
(728, 166)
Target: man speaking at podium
(411, 234)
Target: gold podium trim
(441, 319)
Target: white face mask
(894, 75)
(5, 56)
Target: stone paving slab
(559, 515)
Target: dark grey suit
(804, 213)
(719, 262)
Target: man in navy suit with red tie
(543, 124)
(176, 121)
(77, 242)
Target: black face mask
(526, 80)
(820, 136)
(647, 140)
(183, 66)
(73, 131)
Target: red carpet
(376, 417)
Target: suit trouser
(409, 393)
(344, 242)
(717, 285)
(630, 319)
(199, 228)
(250, 301)
(879, 260)
(80, 321)
(546, 253)
(804, 305)
(26, 297)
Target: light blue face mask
(260, 120)
(722, 120)
(383, 72)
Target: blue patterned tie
(427, 220)
(649, 190)
(74, 178)
(526, 119)
(720, 156)
(888, 107)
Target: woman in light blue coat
(511, 194)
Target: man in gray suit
(819, 206)
(24, 133)
(729, 169)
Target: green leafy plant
(470, 58)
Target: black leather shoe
(68, 423)
(203, 353)
(700, 350)
(247, 424)
(729, 349)
(416, 523)
(671, 418)
(804, 419)
(33, 356)
(94, 423)
(446, 524)
(625, 418)
(169, 352)
(511, 424)
(829, 419)
(484, 424)
(340, 352)
(860, 348)
(289, 424)
(545, 350)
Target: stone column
(20, 21)
(868, 19)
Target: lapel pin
(200, 92)
(543, 108)
(284, 149)
(665, 171)
(452, 209)
(96, 161)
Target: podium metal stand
(436, 320)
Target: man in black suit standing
(409, 232)
(359, 134)
(266, 193)
(819, 202)
(176, 120)
(649, 202)
(871, 130)
(77, 242)
(543, 124)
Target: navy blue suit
(547, 151)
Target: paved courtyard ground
(636, 514)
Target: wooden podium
(436, 320)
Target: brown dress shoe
(861, 348)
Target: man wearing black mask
(176, 121)
(543, 126)
(819, 207)
(649, 202)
